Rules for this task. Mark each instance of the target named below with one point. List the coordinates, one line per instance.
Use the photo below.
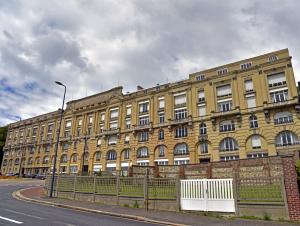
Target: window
(102, 116)
(90, 119)
(46, 160)
(34, 132)
(161, 134)
(113, 125)
(127, 139)
(201, 96)
(128, 110)
(181, 131)
(200, 77)
(273, 58)
(276, 80)
(89, 130)
(257, 155)
(143, 162)
(126, 154)
(228, 144)
(222, 71)
(68, 124)
(17, 161)
(99, 142)
(73, 169)
(65, 146)
(144, 120)
(286, 138)
(80, 122)
(283, 117)
(143, 152)
(161, 151)
(203, 148)
(111, 155)
(202, 128)
(202, 110)
(78, 131)
(161, 116)
(97, 156)
(161, 102)
(74, 158)
(127, 123)
(229, 158)
(181, 161)
(144, 107)
(5, 162)
(253, 121)
(64, 159)
(143, 136)
(114, 113)
(256, 142)
(245, 66)
(48, 148)
(225, 106)
(251, 101)
(30, 161)
(161, 162)
(223, 91)
(226, 126)
(279, 96)
(112, 140)
(248, 85)
(180, 98)
(180, 113)
(181, 149)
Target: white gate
(207, 195)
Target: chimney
(139, 88)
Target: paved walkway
(178, 218)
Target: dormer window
(222, 71)
(200, 77)
(273, 58)
(246, 65)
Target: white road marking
(25, 214)
(11, 220)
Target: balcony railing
(110, 131)
(223, 113)
(294, 143)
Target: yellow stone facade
(245, 109)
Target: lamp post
(57, 140)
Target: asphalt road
(15, 212)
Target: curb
(17, 195)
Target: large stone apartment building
(246, 109)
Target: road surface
(15, 212)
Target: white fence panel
(207, 195)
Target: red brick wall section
(291, 188)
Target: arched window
(228, 144)
(202, 128)
(46, 160)
(286, 138)
(253, 121)
(5, 162)
(63, 159)
(17, 161)
(126, 154)
(85, 157)
(37, 160)
(283, 117)
(181, 149)
(97, 156)
(256, 142)
(161, 134)
(161, 150)
(10, 162)
(227, 125)
(30, 161)
(74, 158)
(143, 152)
(203, 148)
(111, 155)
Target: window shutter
(251, 103)
(180, 99)
(276, 78)
(223, 90)
(201, 94)
(248, 85)
(161, 103)
(256, 142)
(202, 110)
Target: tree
(3, 133)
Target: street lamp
(57, 140)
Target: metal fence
(262, 189)
(150, 188)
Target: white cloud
(92, 46)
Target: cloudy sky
(92, 45)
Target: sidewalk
(160, 217)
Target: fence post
(74, 187)
(178, 193)
(146, 195)
(57, 185)
(235, 193)
(94, 189)
(117, 188)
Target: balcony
(203, 137)
(281, 104)
(143, 127)
(111, 131)
(179, 121)
(218, 114)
